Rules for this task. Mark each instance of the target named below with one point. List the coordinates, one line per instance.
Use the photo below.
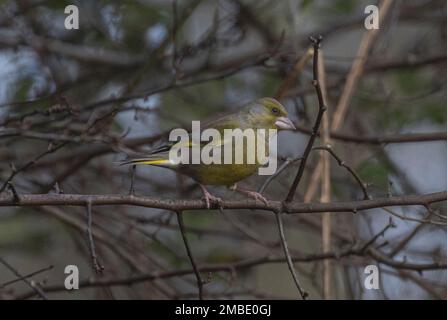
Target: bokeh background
(73, 102)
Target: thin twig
(292, 77)
(321, 109)
(289, 260)
(379, 234)
(352, 82)
(343, 164)
(267, 181)
(245, 264)
(132, 180)
(29, 275)
(424, 220)
(36, 200)
(381, 139)
(188, 251)
(326, 219)
(14, 192)
(251, 234)
(31, 284)
(174, 39)
(403, 243)
(14, 171)
(91, 243)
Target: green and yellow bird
(265, 113)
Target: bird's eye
(275, 110)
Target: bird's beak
(285, 123)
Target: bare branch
(31, 284)
(178, 205)
(29, 275)
(191, 258)
(289, 260)
(96, 265)
(248, 263)
(343, 164)
(316, 127)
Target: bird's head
(269, 113)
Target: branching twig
(341, 163)
(29, 275)
(14, 191)
(31, 284)
(267, 181)
(379, 234)
(316, 127)
(299, 175)
(248, 263)
(352, 81)
(14, 171)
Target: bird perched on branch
(265, 113)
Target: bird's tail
(154, 161)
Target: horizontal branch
(221, 267)
(386, 139)
(245, 264)
(182, 204)
(410, 62)
(76, 51)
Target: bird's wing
(160, 155)
(229, 121)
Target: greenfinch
(265, 113)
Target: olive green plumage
(265, 113)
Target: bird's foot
(256, 195)
(209, 198)
(252, 194)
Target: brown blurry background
(73, 102)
